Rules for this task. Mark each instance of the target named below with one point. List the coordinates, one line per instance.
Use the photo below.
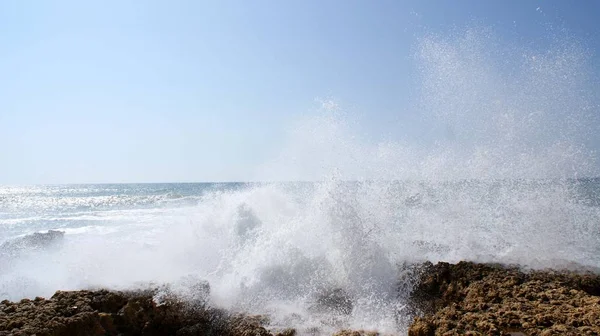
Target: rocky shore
(460, 299)
(105, 312)
(478, 299)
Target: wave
(277, 248)
(36, 240)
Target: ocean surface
(75, 209)
(270, 248)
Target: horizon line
(300, 181)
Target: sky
(193, 91)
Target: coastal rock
(104, 312)
(479, 299)
(356, 333)
(287, 332)
(461, 299)
(333, 301)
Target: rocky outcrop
(120, 313)
(477, 299)
(461, 299)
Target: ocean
(273, 247)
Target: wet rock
(461, 299)
(335, 301)
(119, 313)
(421, 328)
(356, 333)
(503, 300)
(287, 332)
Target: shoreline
(448, 299)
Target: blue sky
(166, 91)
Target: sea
(508, 174)
(271, 248)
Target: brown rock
(118, 313)
(287, 332)
(499, 300)
(356, 333)
(421, 328)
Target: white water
(272, 248)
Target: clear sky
(167, 91)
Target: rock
(104, 312)
(335, 301)
(287, 332)
(421, 328)
(356, 333)
(502, 300)
(461, 299)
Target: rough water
(509, 181)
